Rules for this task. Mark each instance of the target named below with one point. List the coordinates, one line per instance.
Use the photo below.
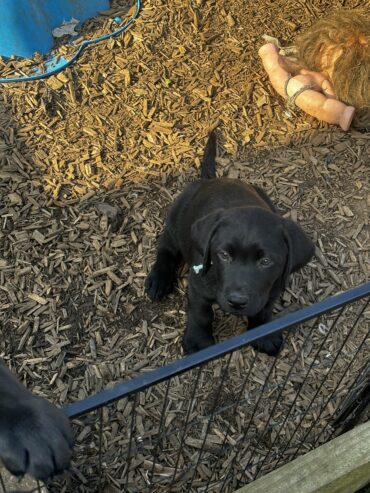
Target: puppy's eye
(265, 262)
(224, 256)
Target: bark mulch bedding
(91, 159)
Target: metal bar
(338, 383)
(312, 364)
(160, 435)
(210, 420)
(223, 409)
(319, 388)
(100, 449)
(201, 489)
(234, 459)
(236, 405)
(186, 425)
(348, 406)
(276, 403)
(132, 426)
(146, 380)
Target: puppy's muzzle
(237, 301)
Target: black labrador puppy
(239, 249)
(35, 436)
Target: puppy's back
(207, 196)
(226, 193)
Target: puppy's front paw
(193, 344)
(35, 439)
(270, 345)
(159, 282)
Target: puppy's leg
(161, 279)
(198, 332)
(272, 344)
(35, 436)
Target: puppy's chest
(205, 285)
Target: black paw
(193, 344)
(35, 439)
(270, 345)
(159, 282)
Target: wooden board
(340, 466)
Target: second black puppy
(239, 249)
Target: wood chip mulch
(91, 159)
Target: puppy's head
(250, 251)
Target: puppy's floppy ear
(300, 247)
(202, 232)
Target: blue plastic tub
(26, 25)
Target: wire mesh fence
(225, 416)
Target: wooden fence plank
(340, 466)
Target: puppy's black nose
(237, 300)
